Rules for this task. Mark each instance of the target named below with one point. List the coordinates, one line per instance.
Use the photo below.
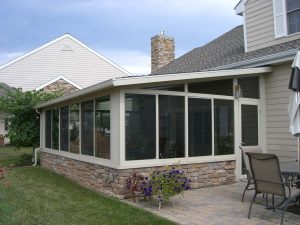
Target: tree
(24, 128)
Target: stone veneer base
(112, 181)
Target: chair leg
(284, 209)
(247, 186)
(254, 197)
(273, 203)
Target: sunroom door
(249, 114)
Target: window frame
(287, 18)
(186, 158)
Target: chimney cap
(162, 34)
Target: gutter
(260, 61)
(85, 91)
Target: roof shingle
(224, 50)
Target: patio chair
(247, 169)
(267, 179)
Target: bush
(24, 128)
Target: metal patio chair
(267, 179)
(246, 169)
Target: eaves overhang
(138, 80)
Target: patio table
(291, 172)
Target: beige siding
(79, 65)
(260, 25)
(279, 140)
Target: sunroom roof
(136, 80)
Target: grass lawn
(35, 196)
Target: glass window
(140, 126)
(249, 87)
(74, 128)
(293, 16)
(200, 127)
(6, 123)
(64, 128)
(87, 128)
(175, 87)
(171, 126)
(217, 87)
(48, 129)
(55, 129)
(224, 127)
(102, 126)
(249, 125)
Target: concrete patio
(219, 205)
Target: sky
(118, 29)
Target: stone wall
(113, 181)
(60, 86)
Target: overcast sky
(118, 29)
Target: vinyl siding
(260, 25)
(279, 140)
(79, 65)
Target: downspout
(38, 149)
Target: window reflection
(87, 128)
(224, 125)
(74, 128)
(48, 129)
(55, 129)
(64, 128)
(200, 127)
(171, 126)
(140, 126)
(102, 126)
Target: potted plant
(166, 184)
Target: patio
(219, 205)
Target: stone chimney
(162, 51)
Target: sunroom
(101, 134)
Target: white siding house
(64, 62)
(64, 57)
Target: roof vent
(66, 48)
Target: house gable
(63, 56)
(265, 25)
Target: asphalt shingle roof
(4, 88)
(224, 50)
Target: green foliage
(166, 184)
(24, 129)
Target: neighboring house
(63, 61)
(3, 118)
(64, 64)
(195, 111)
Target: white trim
(139, 163)
(180, 161)
(61, 77)
(58, 39)
(240, 7)
(188, 76)
(118, 82)
(276, 18)
(79, 157)
(245, 33)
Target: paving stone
(220, 205)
